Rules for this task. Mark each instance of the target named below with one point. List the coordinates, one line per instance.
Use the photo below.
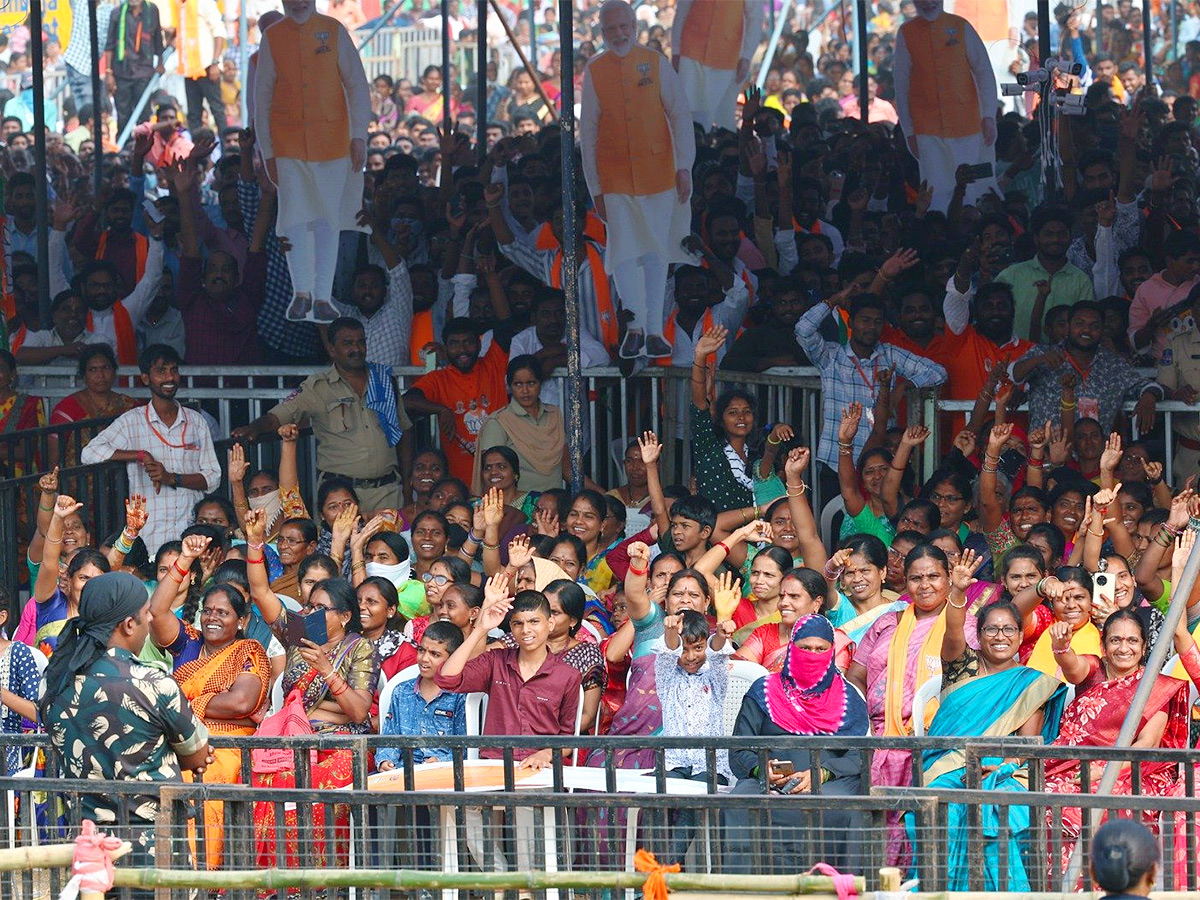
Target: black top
(140, 50)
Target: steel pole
(97, 99)
(1049, 177)
(446, 121)
(854, 17)
(1100, 25)
(1147, 44)
(533, 36)
(244, 60)
(864, 104)
(481, 52)
(41, 214)
(1133, 716)
(382, 23)
(570, 239)
(776, 32)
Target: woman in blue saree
(987, 693)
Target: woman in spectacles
(987, 693)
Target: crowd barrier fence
(478, 815)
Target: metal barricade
(402, 52)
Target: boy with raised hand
(530, 690)
(420, 707)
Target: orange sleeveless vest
(127, 352)
(942, 100)
(634, 154)
(609, 333)
(141, 247)
(422, 334)
(712, 33)
(309, 117)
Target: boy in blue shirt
(419, 706)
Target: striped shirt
(541, 265)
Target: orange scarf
(127, 353)
(929, 664)
(141, 247)
(593, 229)
(194, 64)
(421, 335)
(18, 339)
(669, 337)
(608, 318)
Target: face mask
(397, 574)
(271, 504)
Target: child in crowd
(419, 706)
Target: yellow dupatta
(1085, 642)
(928, 665)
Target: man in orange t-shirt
(463, 394)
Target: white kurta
(315, 191)
(652, 224)
(939, 156)
(713, 92)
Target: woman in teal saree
(987, 694)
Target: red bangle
(180, 569)
(638, 572)
(723, 546)
(254, 562)
(1036, 463)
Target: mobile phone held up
(979, 172)
(310, 627)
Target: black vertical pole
(1099, 26)
(1147, 43)
(447, 122)
(1049, 177)
(863, 103)
(41, 212)
(481, 53)
(97, 98)
(533, 33)
(1043, 11)
(570, 270)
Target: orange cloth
(990, 18)
(141, 247)
(593, 229)
(195, 61)
(473, 396)
(636, 156)
(712, 33)
(127, 352)
(941, 97)
(655, 886)
(608, 314)
(309, 117)
(421, 335)
(17, 341)
(669, 337)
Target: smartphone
(295, 629)
(983, 170)
(314, 627)
(151, 210)
(783, 767)
(1104, 588)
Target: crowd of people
(1028, 573)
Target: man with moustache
(357, 429)
(167, 447)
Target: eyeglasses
(997, 630)
(284, 539)
(945, 498)
(439, 580)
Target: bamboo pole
(47, 856)
(512, 39)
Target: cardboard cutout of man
(311, 107)
(638, 148)
(714, 41)
(939, 58)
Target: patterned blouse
(715, 478)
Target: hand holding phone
(314, 627)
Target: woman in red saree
(336, 683)
(18, 412)
(97, 399)
(1105, 688)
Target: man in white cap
(638, 149)
(311, 108)
(713, 41)
(945, 98)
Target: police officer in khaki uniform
(1179, 374)
(351, 442)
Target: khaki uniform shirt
(349, 439)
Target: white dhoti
(940, 157)
(650, 225)
(712, 93)
(317, 201)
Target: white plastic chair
(828, 513)
(389, 688)
(742, 674)
(277, 695)
(926, 692)
(476, 713)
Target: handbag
(291, 720)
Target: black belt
(390, 478)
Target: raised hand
(914, 436)
(727, 595)
(1111, 457)
(238, 466)
(343, 527)
(780, 433)
(289, 433)
(519, 551)
(493, 507)
(848, 428)
(1153, 470)
(1058, 446)
(1038, 438)
(1060, 637)
(545, 522)
(999, 436)
(796, 463)
(965, 441)
(254, 525)
(135, 514)
(1183, 549)
(899, 263)
(194, 546)
(66, 506)
(1178, 516)
(1104, 497)
(650, 448)
(639, 556)
(359, 539)
(962, 576)
(48, 483)
(710, 342)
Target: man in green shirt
(1061, 283)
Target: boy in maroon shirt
(530, 690)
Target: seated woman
(808, 696)
(297, 539)
(861, 483)
(428, 468)
(802, 592)
(530, 428)
(224, 675)
(899, 653)
(588, 511)
(336, 684)
(378, 552)
(860, 568)
(429, 532)
(1070, 598)
(1105, 687)
(987, 693)
(97, 399)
